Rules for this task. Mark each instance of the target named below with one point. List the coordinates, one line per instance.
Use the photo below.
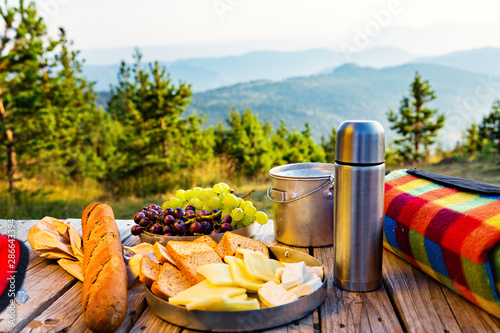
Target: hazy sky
(222, 27)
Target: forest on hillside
(52, 128)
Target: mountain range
(211, 73)
(353, 92)
(319, 87)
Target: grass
(37, 199)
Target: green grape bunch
(199, 211)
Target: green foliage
(330, 146)
(48, 117)
(247, 142)
(148, 106)
(489, 129)
(483, 139)
(416, 124)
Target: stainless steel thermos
(359, 205)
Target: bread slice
(161, 254)
(191, 255)
(206, 240)
(170, 281)
(230, 242)
(148, 271)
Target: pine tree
(330, 146)
(280, 145)
(247, 141)
(149, 107)
(489, 129)
(472, 140)
(23, 84)
(416, 123)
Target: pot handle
(270, 188)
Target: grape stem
(249, 195)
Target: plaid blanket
(448, 234)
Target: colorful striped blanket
(451, 235)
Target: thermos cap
(360, 142)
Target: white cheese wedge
(293, 275)
(318, 270)
(279, 272)
(272, 294)
(312, 283)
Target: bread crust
(104, 292)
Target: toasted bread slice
(170, 281)
(206, 240)
(148, 271)
(230, 242)
(162, 255)
(191, 255)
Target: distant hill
(211, 73)
(350, 92)
(484, 60)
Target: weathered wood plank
(149, 322)
(345, 311)
(417, 297)
(470, 317)
(43, 294)
(65, 313)
(45, 284)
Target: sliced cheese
(258, 265)
(279, 272)
(219, 274)
(203, 290)
(223, 303)
(272, 294)
(241, 276)
(242, 297)
(275, 265)
(141, 248)
(312, 283)
(293, 275)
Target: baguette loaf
(104, 293)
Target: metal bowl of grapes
(192, 213)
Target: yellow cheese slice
(241, 276)
(223, 303)
(218, 274)
(203, 290)
(258, 265)
(242, 297)
(276, 264)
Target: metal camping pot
(302, 196)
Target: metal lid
(303, 171)
(360, 142)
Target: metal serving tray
(147, 237)
(241, 321)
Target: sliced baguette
(148, 271)
(162, 255)
(205, 239)
(191, 255)
(170, 281)
(230, 242)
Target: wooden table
(408, 300)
